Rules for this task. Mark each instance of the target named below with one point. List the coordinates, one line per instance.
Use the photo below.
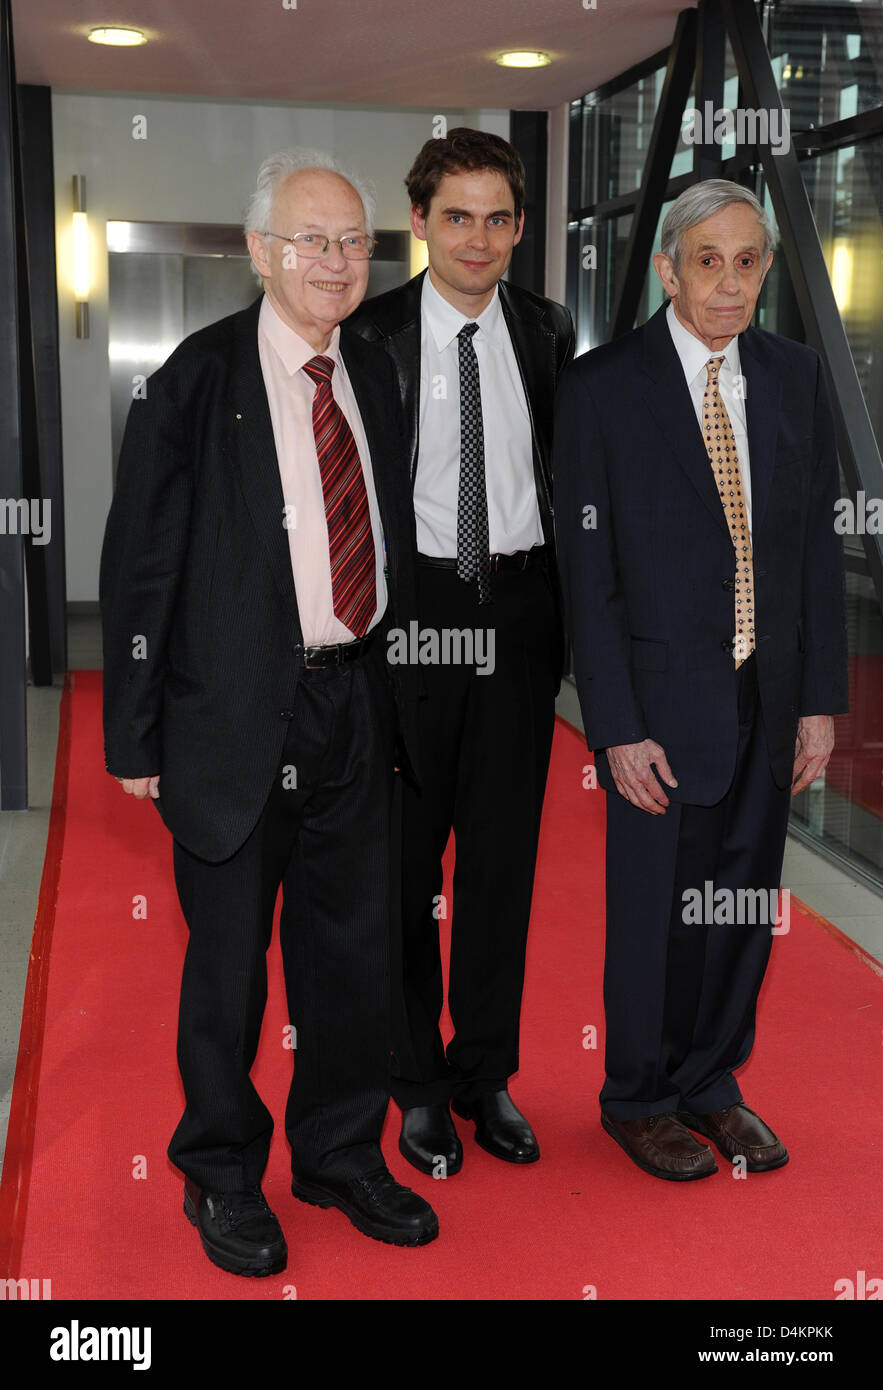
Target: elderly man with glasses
(258, 550)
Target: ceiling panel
(427, 53)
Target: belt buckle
(311, 665)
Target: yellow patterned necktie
(721, 445)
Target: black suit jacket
(196, 565)
(648, 588)
(542, 338)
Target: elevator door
(166, 280)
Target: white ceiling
(427, 53)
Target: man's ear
(257, 249)
(418, 223)
(520, 232)
(664, 268)
(769, 261)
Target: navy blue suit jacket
(648, 588)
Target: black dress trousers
(485, 741)
(680, 995)
(324, 837)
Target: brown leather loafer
(661, 1145)
(738, 1133)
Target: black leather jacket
(542, 337)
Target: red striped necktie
(350, 539)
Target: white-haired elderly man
(260, 544)
(705, 603)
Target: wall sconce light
(81, 256)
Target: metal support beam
(13, 683)
(660, 153)
(528, 132)
(711, 47)
(32, 487)
(35, 112)
(859, 452)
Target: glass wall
(828, 62)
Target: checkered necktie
(350, 538)
(721, 445)
(472, 528)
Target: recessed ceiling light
(523, 60)
(120, 38)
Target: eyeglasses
(310, 245)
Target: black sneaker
(376, 1204)
(239, 1232)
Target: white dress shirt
(290, 395)
(513, 511)
(694, 354)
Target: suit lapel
(403, 346)
(762, 396)
(671, 405)
(533, 344)
(362, 373)
(253, 450)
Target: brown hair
(464, 151)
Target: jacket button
(727, 645)
(728, 584)
(286, 714)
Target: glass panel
(845, 189)
(828, 59)
(616, 133)
(597, 249)
(685, 151)
(844, 808)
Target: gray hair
(703, 200)
(276, 168)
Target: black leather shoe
(429, 1140)
(239, 1232)
(376, 1204)
(500, 1127)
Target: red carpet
(98, 1106)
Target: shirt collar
(444, 321)
(292, 350)
(694, 353)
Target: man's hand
(634, 777)
(140, 787)
(815, 743)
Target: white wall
(197, 164)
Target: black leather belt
(334, 653)
(520, 560)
